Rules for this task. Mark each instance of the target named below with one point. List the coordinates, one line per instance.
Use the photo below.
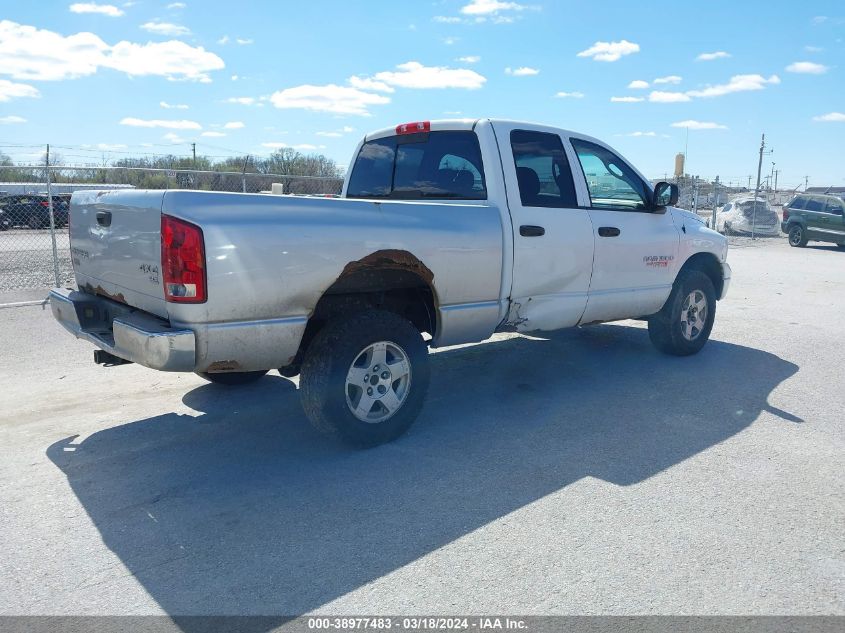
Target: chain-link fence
(34, 209)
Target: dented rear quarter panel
(271, 258)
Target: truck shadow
(245, 510)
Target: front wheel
(365, 377)
(233, 379)
(797, 236)
(683, 325)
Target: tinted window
(834, 206)
(611, 182)
(798, 203)
(814, 204)
(433, 165)
(542, 170)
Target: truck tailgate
(115, 240)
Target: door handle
(609, 231)
(104, 218)
(529, 230)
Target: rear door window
(814, 204)
(542, 170)
(433, 165)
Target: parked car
(739, 217)
(33, 210)
(815, 217)
(450, 229)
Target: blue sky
(105, 79)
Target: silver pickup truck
(448, 231)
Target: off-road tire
(665, 329)
(233, 379)
(323, 386)
(797, 236)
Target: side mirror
(665, 195)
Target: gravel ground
(579, 472)
(26, 259)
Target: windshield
(436, 165)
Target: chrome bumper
(124, 331)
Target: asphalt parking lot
(577, 472)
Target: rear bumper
(123, 331)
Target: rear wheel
(797, 236)
(233, 379)
(365, 377)
(33, 222)
(683, 325)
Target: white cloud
(570, 95)
(30, 53)
(172, 106)
(831, 117)
(469, 59)
(10, 90)
(813, 49)
(707, 57)
(11, 119)
(671, 79)
(110, 147)
(807, 68)
(820, 19)
(223, 40)
(367, 83)
(700, 125)
(234, 125)
(211, 134)
(328, 98)
(415, 75)
(448, 41)
(659, 96)
(242, 100)
(489, 7)
(170, 124)
(165, 28)
(244, 41)
(92, 7)
(522, 71)
(638, 84)
(444, 19)
(337, 133)
(302, 146)
(627, 99)
(173, 138)
(642, 134)
(737, 83)
(175, 6)
(610, 51)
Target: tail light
(785, 214)
(182, 261)
(44, 203)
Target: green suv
(814, 217)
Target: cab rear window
(444, 165)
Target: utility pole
(806, 182)
(715, 203)
(777, 171)
(194, 152)
(52, 216)
(749, 182)
(757, 189)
